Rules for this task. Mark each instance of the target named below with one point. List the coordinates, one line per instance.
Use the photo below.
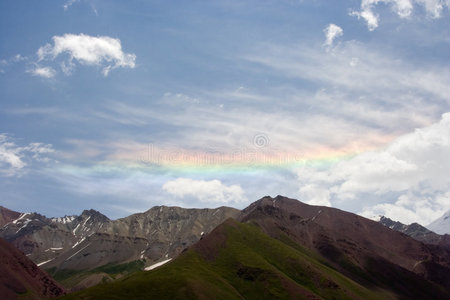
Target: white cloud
(18, 58)
(101, 51)
(407, 181)
(403, 8)
(315, 195)
(211, 192)
(434, 8)
(14, 159)
(376, 74)
(332, 31)
(12, 60)
(46, 72)
(69, 3)
(10, 156)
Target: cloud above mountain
(212, 191)
(405, 181)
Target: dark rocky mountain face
(284, 249)
(362, 249)
(20, 277)
(91, 240)
(43, 239)
(417, 232)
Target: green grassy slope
(237, 261)
(107, 273)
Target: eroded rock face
(19, 275)
(91, 240)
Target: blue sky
(120, 106)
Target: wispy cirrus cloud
(101, 51)
(4, 63)
(69, 3)
(356, 67)
(14, 158)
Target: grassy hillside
(237, 261)
(75, 279)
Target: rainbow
(178, 161)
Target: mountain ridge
(91, 240)
(282, 248)
(418, 232)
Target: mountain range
(282, 248)
(79, 249)
(275, 248)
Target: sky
(120, 106)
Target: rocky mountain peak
(94, 214)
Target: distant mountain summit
(417, 232)
(441, 225)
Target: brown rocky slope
(360, 248)
(19, 276)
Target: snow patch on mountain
(157, 264)
(63, 220)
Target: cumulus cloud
(403, 8)
(332, 31)
(407, 181)
(102, 51)
(213, 191)
(14, 158)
